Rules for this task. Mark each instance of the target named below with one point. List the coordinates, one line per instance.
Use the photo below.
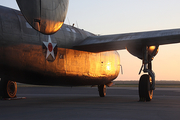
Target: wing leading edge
(121, 41)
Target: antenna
(77, 24)
(68, 21)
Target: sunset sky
(125, 16)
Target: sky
(106, 17)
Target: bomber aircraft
(36, 47)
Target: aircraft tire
(145, 93)
(11, 89)
(8, 89)
(102, 90)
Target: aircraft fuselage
(28, 56)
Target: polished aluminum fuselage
(24, 55)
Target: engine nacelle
(137, 51)
(46, 16)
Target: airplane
(36, 47)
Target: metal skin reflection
(74, 68)
(152, 48)
(46, 16)
(49, 27)
(28, 56)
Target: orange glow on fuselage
(57, 26)
(50, 27)
(108, 66)
(78, 67)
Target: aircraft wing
(121, 41)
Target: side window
(67, 29)
(73, 31)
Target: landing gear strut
(8, 89)
(147, 81)
(102, 90)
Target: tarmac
(84, 103)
